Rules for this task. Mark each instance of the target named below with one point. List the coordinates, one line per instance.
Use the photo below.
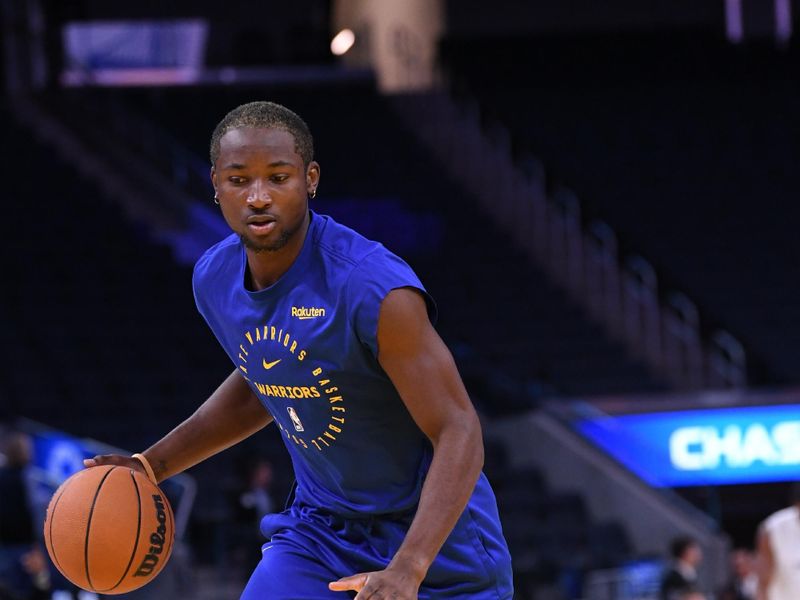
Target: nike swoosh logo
(269, 365)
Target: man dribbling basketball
(331, 339)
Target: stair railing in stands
(621, 293)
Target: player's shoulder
(217, 259)
(341, 244)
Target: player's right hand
(117, 460)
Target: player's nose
(258, 196)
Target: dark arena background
(601, 196)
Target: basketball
(109, 529)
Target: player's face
(263, 187)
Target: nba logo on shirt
(298, 425)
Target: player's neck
(266, 268)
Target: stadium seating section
(684, 145)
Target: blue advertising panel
(703, 447)
(59, 455)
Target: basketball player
(779, 553)
(331, 338)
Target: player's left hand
(392, 583)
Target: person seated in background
(743, 583)
(681, 577)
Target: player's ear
(312, 177)
(214, 183)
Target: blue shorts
(308, 549)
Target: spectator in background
(681, 577)
(779, 553)
(743, 584)
(23, 570)
(256, 499)
(253, 499)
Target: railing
(621, 292)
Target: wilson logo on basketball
(156, 540)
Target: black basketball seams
(89, 526)
(138, 532)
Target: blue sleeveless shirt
(307, 346)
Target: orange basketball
(109, 529)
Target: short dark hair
(680, 545)
(265, 115)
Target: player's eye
(236, 180)
(280, 178)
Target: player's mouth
(261, 224)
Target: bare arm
(410, 351)
(231, 414)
